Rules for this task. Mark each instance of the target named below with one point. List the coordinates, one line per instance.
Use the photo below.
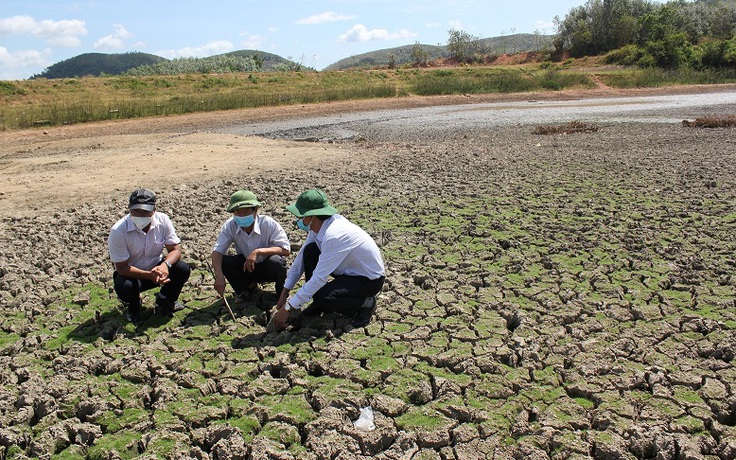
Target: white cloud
(19, 65)
(27, 58)
(63, 33)
(109, 42)
(545, 27)
(17, 25)
(327, 16)
(253, 42)
(114, 41)
(359, 33)
(212, 48)
(455, 24)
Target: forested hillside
(138, 64)
(471, 47)
(96, 64)
(676, 34)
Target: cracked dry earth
(547, 297)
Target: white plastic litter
(365, 421)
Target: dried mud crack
(547, 297)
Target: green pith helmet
(311, 203)
(243, 199)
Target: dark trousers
(343, 294)
(271, 270)
(129, 289)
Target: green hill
(269, 62)
(96, 64)
(402, 55)
(381, 58)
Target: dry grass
(571, 127)
(716, 121)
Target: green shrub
(10, 89)
(626, 55)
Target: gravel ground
(561, 296)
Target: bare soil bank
(42, 169)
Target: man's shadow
(259, 307)
(301, 329)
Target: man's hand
(220, 284)
(281, 319)
(250, 262)
(160, 274)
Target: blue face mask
(302, 226)
(245, 221)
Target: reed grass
(41, 102)
(504, 80)
(655, 77)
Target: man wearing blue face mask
(136, 245)
(338, 249)
(261, 248)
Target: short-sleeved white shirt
(266, 233)
(142, 250)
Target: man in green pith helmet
(334, 247)
(261, 248)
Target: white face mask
(141, 222)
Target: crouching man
(261, 248)
(337, 248)
(136, 245)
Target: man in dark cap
(334, 247)
(261, 248)
(136, 244)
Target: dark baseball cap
(142, 198)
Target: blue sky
(35, 34)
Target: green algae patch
(689, 424)
(130, 418)
(420, 419)
(122, 444)
(73, 452)
(290, 409)
(283, 433)
(248, 425)
(407, 385)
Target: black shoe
(365, 313)
(166, 307)
(132, 312)
(133, 316)
(245, 295)
(163, 308)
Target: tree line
(699, 34)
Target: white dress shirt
(142, 250)
(346, 249)
(266, 233)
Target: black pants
(344, 294)
(129, 289)
(271, 270)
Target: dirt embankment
(41, 169)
